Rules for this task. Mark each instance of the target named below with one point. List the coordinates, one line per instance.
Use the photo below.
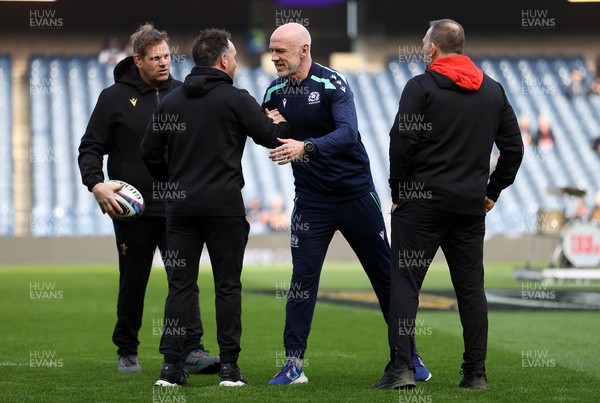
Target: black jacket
(116, 128)
(196, 142)
(442, 139)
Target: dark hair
(145, 36)
(448, 35)
(209, 45)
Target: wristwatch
(309, 146)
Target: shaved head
(290, 51)
(294, 33)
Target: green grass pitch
(56, 343)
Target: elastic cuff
(493, 192)
(94, 183)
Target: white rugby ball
(130, 200)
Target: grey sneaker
(129, 363)
(473, 380)
(199, 362)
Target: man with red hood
(448, 120)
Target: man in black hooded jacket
(195, 142)
(116, 128)
(448, 120)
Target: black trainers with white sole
(231, 376)
(172, 375)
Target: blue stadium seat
(64, 92)
(98, 77)
(62, 152)
(6, 167)
(41, 155)
(373, 126)
(79, 113)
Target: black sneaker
(473, 380)
(199, 362)
(395, 378)
(172, 375)
(231, 376)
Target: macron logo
(133, 101)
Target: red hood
(461, 70)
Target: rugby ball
(130, 200)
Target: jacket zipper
(157, 97)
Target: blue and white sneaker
(289, 375)
(421, 372)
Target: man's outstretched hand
(289, 150)
(275, 115)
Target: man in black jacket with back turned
(195, 142)
(116, 128)
(448, 120)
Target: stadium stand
(40, 152)
(64, 90)
(6, 191)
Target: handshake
(290, 150)
(275, 115)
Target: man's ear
(434, 50)
(137, 60)
(304, 50)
